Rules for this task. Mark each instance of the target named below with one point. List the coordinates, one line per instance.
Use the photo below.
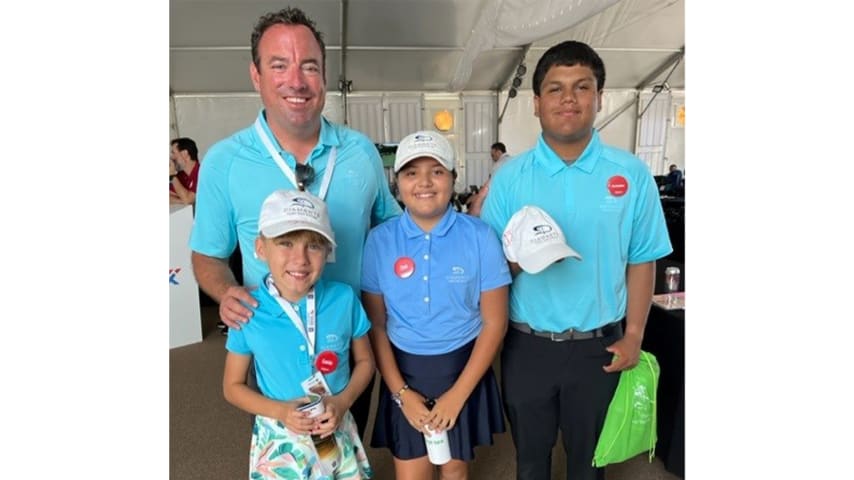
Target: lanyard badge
(326, 361)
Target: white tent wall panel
(652, 129)
(366, 115)
(480, 133)
(404, 116)
(621, 131)
(209, 118)
(519, 128)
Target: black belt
(615, 328)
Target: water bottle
(438, 448)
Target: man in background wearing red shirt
(183, 171)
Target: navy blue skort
(432, 375)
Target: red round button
(404, 267)
(618, 185)
(326, 361)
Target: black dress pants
(547, 385)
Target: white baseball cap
(424, 143)
(286, 211)
(534, 240)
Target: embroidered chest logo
(458, 275)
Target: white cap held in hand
(534, 240)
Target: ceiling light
(443, 120)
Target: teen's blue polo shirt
(607, 204)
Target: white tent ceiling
(429, 45)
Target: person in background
(499, 155)
(565, 347)
(673, 182)
(290, 146)
(435, 287)
(183, 171)
(299, 341)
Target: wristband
(396, 396)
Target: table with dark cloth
(664, 337)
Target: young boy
(299, 339)
(434, 284)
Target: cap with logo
(287, 211)
(534, 240)
(424, 143)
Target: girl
(300, 338)
(434, 284)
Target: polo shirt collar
(412, 230)
(585, 162)
(328, 136)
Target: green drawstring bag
(630, 424)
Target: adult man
(290, 146)
(183, 171)
(673, 182)
(499, 155)
(562, 355)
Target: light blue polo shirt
(608, 207)
(436, 309)
(281, 352)
(238, 173)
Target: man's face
(176, 156)
(568, 102)
(495, 154)
(290, 78)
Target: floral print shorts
(278, 453)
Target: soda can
(671, 278)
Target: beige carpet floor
(209, 438)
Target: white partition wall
(480, 133)
(404, 116)
(185, 320)
(365, 113)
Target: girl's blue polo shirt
(280, 351)
(436, 309)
